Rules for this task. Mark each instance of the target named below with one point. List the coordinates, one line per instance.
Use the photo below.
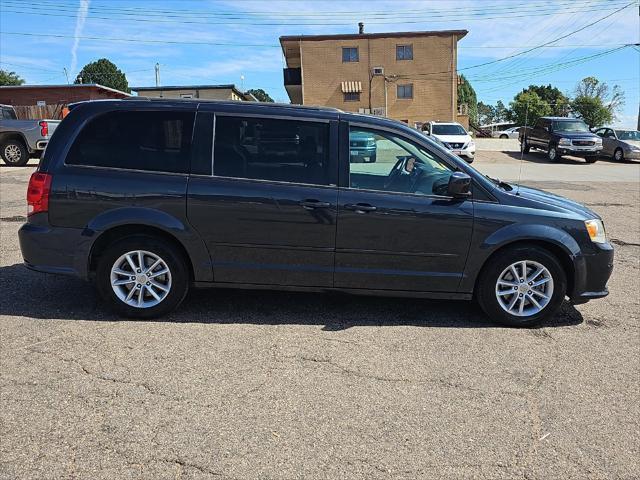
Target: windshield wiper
(500, 183)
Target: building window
(350, 54)
(352, 97)
(404, 52)
(405, 91)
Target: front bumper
(592, 272)
(580, 151)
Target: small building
(208, 92)
(47, 101)
(407, 76)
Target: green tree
(527, 107)
(558, 102)
(260, 94)
(591, 110)
(501, 112)
(595, 102)
(10, 78)
(486, 113)
(105, 73)
(467, 95)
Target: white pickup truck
(21, 139)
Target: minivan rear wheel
(142, 277)
(522, 286)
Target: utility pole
(157, 74)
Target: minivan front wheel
(522, 286)
(142, 277)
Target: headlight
(595, 228)
(472, 144)
(564, 142)
(598, 141)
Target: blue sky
(208, 42)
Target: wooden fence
(33, 112)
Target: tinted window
(156, 141)
(404, 52)
(386, 162)
(405, 91)
(271, 149)
(349, 54)
(352, 97)
(570, 126)
(8, 114)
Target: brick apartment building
(407, 76)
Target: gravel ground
(281, 385)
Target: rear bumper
(592, 274)
(47, 249)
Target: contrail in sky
(83, 11)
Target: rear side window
(158, 141)
(271, 149)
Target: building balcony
(292, 76)
(293, 84)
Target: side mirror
(459, 185)
(470, 132)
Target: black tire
(372, 158)
(524, 146)
(618, 155)
(174, 260)
(552, 153)
(593, 159)
(487, 281)
(16, 147)
(504, 136)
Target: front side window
(404, 52)
(386, 162)
(350, 54)
(157, 141)
(271, 149)
(352, 97)
(405, 91)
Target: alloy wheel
(524, 288)
(12, 153)
(141, 279)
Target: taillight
(44, 128)
(38, 193)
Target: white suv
(454, 136)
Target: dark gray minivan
(149, 197)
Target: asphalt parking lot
(240, 384)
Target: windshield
(570, 126)
(447, 129)
(628, 135)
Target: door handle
(360, 207)
(311, 204)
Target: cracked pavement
(242, 384)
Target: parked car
(20, 139)
(620, 144)
(455, 136)
(447, 146)
(362, 147)
(147, 199)
(560, 136)
(512, 132)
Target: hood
(548, 201)
(453, 138)
(587, 135)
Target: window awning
(351, 87)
